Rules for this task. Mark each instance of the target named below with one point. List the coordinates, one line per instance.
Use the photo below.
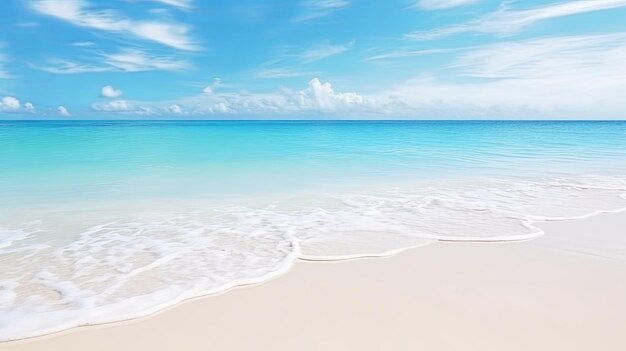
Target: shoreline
(304, 273)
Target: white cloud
(320, 8)
(110, 92)
(115, 105)
(128, 60)
(560, 77)
(183, 4)
(406, 53)
(323, 51)
(83, 44)
(507, 21)
(13, 104)
(62, 110)
(264, 73)
(175, 109)
(78, 12)
(322, 96)
(9, 103)
(69, 67)
(551, 77)
(442, 4)
(121, 107)
(136, 61)
(207, 90)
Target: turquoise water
(108, 220)
(52, 161)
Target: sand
(563, 291)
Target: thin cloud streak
(78, 12)
(506, 21)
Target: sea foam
(65, 271)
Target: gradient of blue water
(50, 161)
(104, 221)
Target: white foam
(138, 263)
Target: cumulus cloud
(29, 107)
(580, 76)
(113, 106)
(81, 13)
(175, 109)
(507, 21)
(9, 103)
(110, 92)
(62, 110)
(322, 96)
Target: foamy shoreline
(558, 257)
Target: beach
(556, 292)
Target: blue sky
(425, 59)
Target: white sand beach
(562, 291)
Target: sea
(102, 221)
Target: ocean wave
(60, 276)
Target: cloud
(322, 96)
(406, 53)
(175, 109)
(83, 44)
(62, 110)
(551, 77)
(508, 21)
(127, 60)
(110, 92)
(136, 61)
(442, 4)
(29, 107)
(68, 67)
(264, 73)
(80, 13)
(314, 9)
(183, 4)
(121, 107)
(579, 76)
(10, 104)
(323, 51)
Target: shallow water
(102, 221)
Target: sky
(313, 59)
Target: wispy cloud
(132, 60)
(397, 54)
(279, 73)
(597, 57)
(80, 13)
(57, 66)
(560, 77)
(127, 60)
(507, 21)
(320, 8)
(319, 52)
(182, 4)
(442, 4)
